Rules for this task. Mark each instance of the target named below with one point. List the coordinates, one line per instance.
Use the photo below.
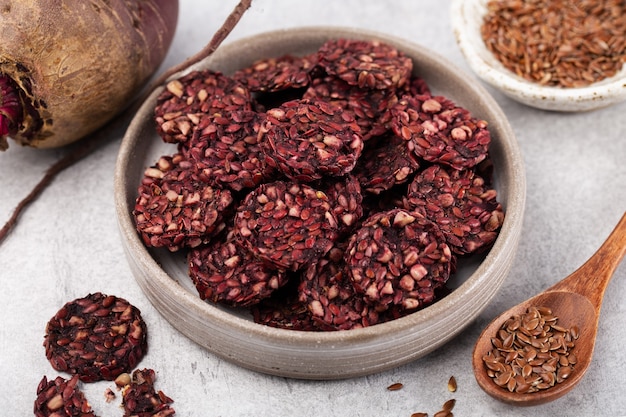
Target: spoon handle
(592, 278)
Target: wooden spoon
(575, 301)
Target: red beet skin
(67, 67)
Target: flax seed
(452, 386)
(538, 358)
(395, 386)
(557, 42)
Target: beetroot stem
(219, 36)
(87, 145)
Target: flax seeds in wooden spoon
(569, 312)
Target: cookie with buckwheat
(344, 194)
(227, 153)
(225, 272)
(177, 207)
(96, 337)
(309, 139)
(367, 106)
(187, 100)
(286, 224)
(284, 310)
(398, 257)
(386, 162)
(461, 203)
(277, 74)
(438, 130)
(61, 398)
(327, 291)
(367, 64)
(141, 399)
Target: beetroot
(67, 67)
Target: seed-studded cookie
(277, 74)
(438, 130)
(286, 313)
(96, 337)
(226, 272)
(286, 224)
(367, 106)
(225, 150)
(309, 139)
(385, 163)
(284, 310)
(345, 197)
(398, 258)
(176, 207)
(185, 101)
(141, 399)
(462, 205)
(327, 291)
(367, 64)
(334, 304)
(61, 398)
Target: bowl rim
(491, 70)
(505, 245)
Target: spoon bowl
(572, 310)
(575, 301)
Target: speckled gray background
(67, 245)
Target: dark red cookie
(327, 291)
(226, 151)
(176, 207)
(367, 64)
(226, 272)
(277, 74)
(141, 399)
(367, 106)
(346, 201)
(288, 314)
(398, 258)
(283, 310)
(61, 398)
(438, 130)
(96, 337)
(186, 101)
(385, 163)
(309, 139)
(286, 224)
(463, 206)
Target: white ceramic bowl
(322, 355)
(467, 18)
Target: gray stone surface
(67, 245)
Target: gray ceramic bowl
(322, 355)
(467, 18)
